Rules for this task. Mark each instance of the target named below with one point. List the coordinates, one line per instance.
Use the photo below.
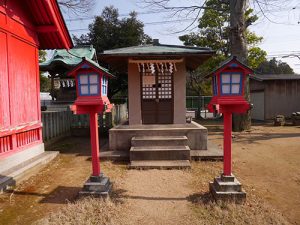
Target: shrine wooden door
(157, 95)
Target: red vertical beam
(1, 146)
(5, 144)
(14, 142)
(227, 143)
(95, 143)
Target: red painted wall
(20, 119)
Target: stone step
(232, 196)
(25, 169)
(159, 141)
(160, 153)
(222, 186)
(160, 164)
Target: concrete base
(120, 136)
(22, 165)
(227, 188)
(20, 157)
(97, 186)
(213, 152)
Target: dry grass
(253, 211)
(204, 211)
(86, 211)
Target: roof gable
(231, 62)
(89, 64)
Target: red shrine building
(25, 27)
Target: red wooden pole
(227, 143)
(95, 143)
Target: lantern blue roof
(93, 64)
(227, 61)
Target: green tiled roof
(157, 49)
(69, 58)
(118, 58)
(63, 61)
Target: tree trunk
(238, 47)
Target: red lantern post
(91, 88)
(228, 97)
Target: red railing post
(95, 143)
(227, 143)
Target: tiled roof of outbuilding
(266, 77)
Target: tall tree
(109, 32)
(237, 29)
(44, 81)
(274, 67)
(215, 32)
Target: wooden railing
(59, 124)
(56, 124)
(12, 140)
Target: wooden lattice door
(157, 94)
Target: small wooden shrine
(157, 134)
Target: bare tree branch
(77, 6)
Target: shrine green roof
(157, 49)
(118, 58)
(63, 60)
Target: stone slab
(160, 153)
(213, 152)
(114, 155)
(160, 164)
(159, 141)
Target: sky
(279, 27)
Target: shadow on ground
(60, 195)
(204, 198)
(80, 146)
(255, 137)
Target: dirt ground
(266, 161)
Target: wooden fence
(58, 124)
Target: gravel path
(157, 197)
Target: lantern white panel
(83, 79)
(93, 89)
(225, 78)
(236, 78)
(84, 90)
(93, 79)
(226, 88)
(235, 89)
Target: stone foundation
(97, 186)
(120, 136)
(227, 188)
